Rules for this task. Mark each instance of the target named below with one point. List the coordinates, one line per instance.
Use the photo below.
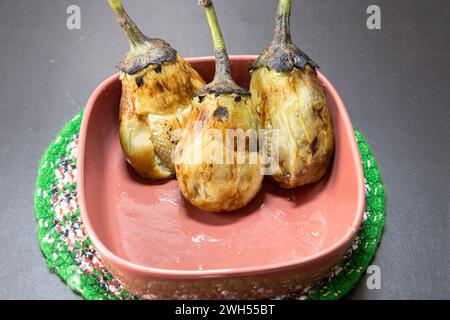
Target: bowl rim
(106, 253)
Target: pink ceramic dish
(161, 247)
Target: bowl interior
(151, 225)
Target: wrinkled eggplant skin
(208, 185)
(295, 104)
(155, 103)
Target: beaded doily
(70, 254)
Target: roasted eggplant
(290, 99)
(157, 89)
(217, 173)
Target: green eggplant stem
(220, 50)
(282, 33)
(284, 7)
(134, 35)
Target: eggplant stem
(284, 6)
(131, 30)
(220, 51)
(282, 34)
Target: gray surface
(394, 82)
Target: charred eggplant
(157, 88)
(290, 98)
(221, 110)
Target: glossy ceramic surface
(160, 246)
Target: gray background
(394, 82)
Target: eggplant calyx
(220, 88)
(282, 54)
(153, 51)
(144, 51)
(223, 83)
(283, 58)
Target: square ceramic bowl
(160, 247)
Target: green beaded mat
(70, 254)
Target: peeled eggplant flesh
(226, 177)
(290, 98)
(157, 89)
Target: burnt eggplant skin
(153, 107)
(287, 93)
(221, 106)
(157, 89)
(208, 185)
